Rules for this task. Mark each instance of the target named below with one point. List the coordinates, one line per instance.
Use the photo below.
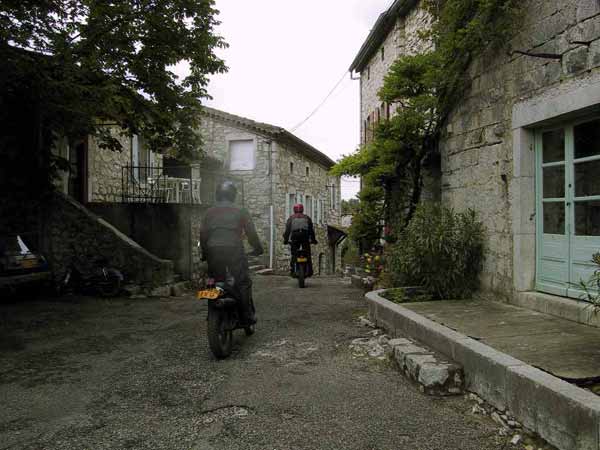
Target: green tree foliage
(349, 206)
(70, 67)
(424, 88)
(440, 250)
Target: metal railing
(181, 185)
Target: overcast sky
(284, 58)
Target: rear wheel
(220, 339)
(110, 287)
(301, 275)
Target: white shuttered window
(241, 155)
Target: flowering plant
(373, 264)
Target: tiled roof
(277, 133)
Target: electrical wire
(321, 104)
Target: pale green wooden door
(552, 235)
(568, 206)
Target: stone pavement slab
(563, 348)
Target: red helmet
(298, 209)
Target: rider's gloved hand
(314, 242)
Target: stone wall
(477, 151)
(479, 144)
(253, 185)
(273, 180)
(170, 231)
(404, 39)
(105, 168)
(72, 233)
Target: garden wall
(73, 233)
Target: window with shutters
(242, 155)
(291, 201)
(308, 206)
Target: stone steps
(435, 375)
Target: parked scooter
(223, 315)
(103, 280)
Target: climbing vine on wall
(423, 89)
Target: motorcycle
(103, 280)
(223, 316)
(301, 268)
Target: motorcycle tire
(250, 330)
(110, 287)
(301, 274)
(220, 340)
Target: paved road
(92, 373)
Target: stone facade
(487, 160)
(403, 39)
(105, 167)
(271, 181)
(104, 175)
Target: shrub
(441, 250)
(350, 253)
(592, 286)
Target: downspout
(271, 211)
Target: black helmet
(226, 191)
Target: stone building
(523, 146)
(277, 170)
(97, 174)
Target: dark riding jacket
(225, 225)
(288, 227)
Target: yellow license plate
(209, 294)
(302, 259)
(29, 264)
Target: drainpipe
(271, 210)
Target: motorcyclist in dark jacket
(221, 239)
(300, 233)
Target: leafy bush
(592, 286)
(350, 253)
(441, 250)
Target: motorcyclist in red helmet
(300, 233)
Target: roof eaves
(272, 131)
(308, 149)
(378, 33)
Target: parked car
(19, 265)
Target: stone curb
(564, 415)
(434, 376)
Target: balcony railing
(145, 184)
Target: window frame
(229, 153)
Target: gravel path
(136, 373)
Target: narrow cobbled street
(88, 373)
